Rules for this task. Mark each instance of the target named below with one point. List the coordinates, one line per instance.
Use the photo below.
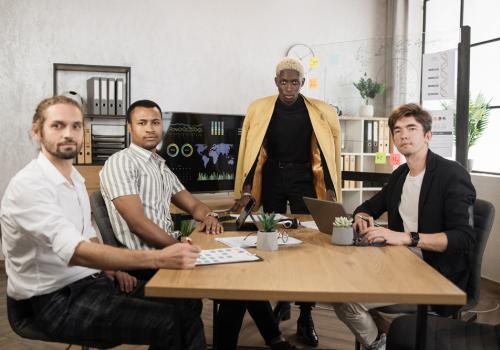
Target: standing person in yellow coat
(289, 148)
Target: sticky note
(313, 62)
(380, 158)
(395, 159)
(313, 83)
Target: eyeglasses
(283, 235)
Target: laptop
(324, 213)
(240, 224)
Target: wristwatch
(415, 237)
(212, 214)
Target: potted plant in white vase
(343, 232)
(187, 227)
(368, 89)
(267, 237)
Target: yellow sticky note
(313, 62)
(380, 158)
(313, 83)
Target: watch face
(303, 53)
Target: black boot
(282, 311)
(306, 333)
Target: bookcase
(363, 141)
(105, 91)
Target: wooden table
(314, 271)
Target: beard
(61, 151)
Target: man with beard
(53, 260)
(429, 202)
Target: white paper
(251, 241)
(309, 224)
(438, 70)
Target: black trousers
(287, 182)
(230, 317)
(93, 309)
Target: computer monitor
(202, 149)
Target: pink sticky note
(395, 159)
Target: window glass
(485, 153)
(485, 71)
(482, 17)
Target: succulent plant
(342, 221)
(268, 221)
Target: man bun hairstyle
(292, 64)
(39, 117)
(141, 103)
(411, 110)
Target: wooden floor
(333, 334)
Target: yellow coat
(326, 134)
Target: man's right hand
(178, 256)
(240, 204)
(361, 225)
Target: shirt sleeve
(33, 208)
(177, 185)
(119, 177)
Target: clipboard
(225, 256)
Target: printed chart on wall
(202, 149)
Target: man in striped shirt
(138, 188)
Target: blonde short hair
(290, 63)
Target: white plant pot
(267, 241)
(342, 235)
(365, 111)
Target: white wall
(210, 56)
(488, 188)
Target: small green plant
(269, 221)
(187, 227)
(369, 88)
(479, 111)
(342, 221)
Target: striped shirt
(137, 171)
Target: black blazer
(445, 205)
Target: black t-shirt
(289, 133)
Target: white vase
(342, 235)
(267, 240)
(365, 111)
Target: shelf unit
(73, 77)
(352, 145)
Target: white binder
(120, 97)
(104, 96)
(93, 96)
(111, 97)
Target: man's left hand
(211, 225)
(126, 282)
(374, 234)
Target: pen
(364, 218)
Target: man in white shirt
(429, 202)
(54, 261)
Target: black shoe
(306, 333)
(282, 311)
(282, 345)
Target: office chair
(101, 217)
(22, 321)
(444, 334)
(484, 213)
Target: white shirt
(43, 217)
(137, 171)
(408, 207)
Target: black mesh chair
(484, 213)
(444, 334)
(100, 213)
(21, 320)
